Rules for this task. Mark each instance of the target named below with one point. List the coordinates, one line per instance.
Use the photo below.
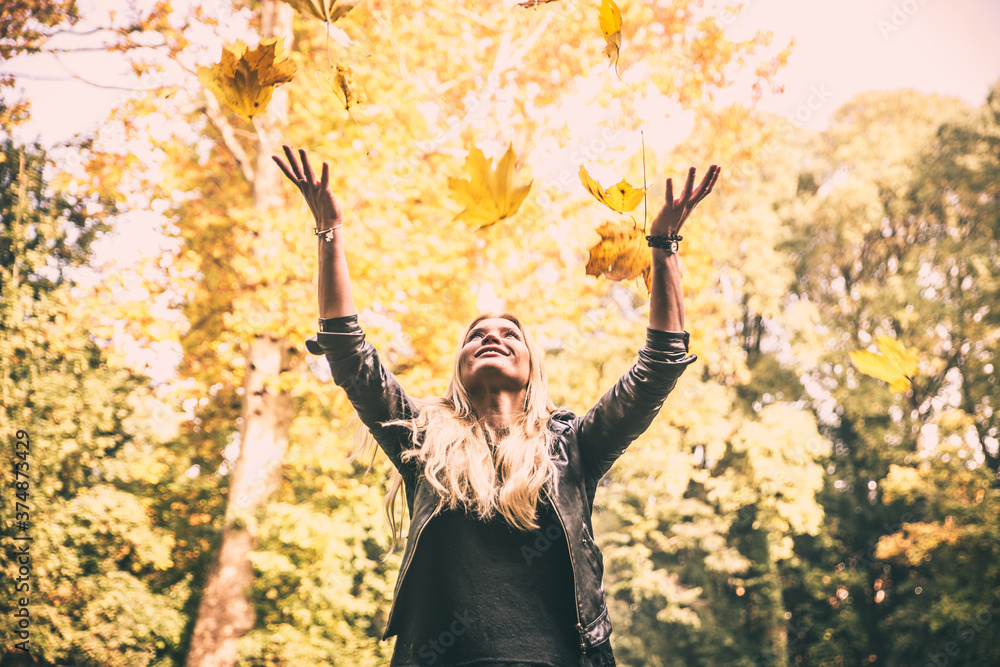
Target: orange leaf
(621, 254)
(245, 78)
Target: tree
(951, 491)
(96, 582)
(878, 250)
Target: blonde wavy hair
(462, 462)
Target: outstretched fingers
(688, 186)
(306, 167)
(293, 163)
(707, 183)
(284, 168)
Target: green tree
(97, 586)
(881, 245)
(951, 488)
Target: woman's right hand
(317, 193)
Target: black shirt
(480, 592)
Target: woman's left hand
(671, 218)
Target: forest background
(783, 509)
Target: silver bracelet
(326, 233)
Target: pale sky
(843, 47)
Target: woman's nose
(491, 338)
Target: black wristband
(665, 242)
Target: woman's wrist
(664, 257)
(327, 233)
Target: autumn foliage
(819, 486)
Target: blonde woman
(500, 566)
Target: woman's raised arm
(628, 408)
(335, 298)
(666, 298)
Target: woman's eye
(512, 334)
(475, 334)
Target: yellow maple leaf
(895, 364)
(620, 198)
(489, 195)
(245, 78)
(327, 11)
(611, 25)
(621, 254)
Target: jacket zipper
(402, 572)
(576, 603)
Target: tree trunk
(773, 605)
(225, 612)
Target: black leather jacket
(585, 447)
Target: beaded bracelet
(665, 242)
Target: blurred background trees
(784, 509)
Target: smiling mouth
(491, 350)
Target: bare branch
(80, 49)
(94, 31)
(228, 134)
(76, 76)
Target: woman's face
(494, 356)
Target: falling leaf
(341, 83)
(620, 198)
(245, 79)
(489, 195)
(611, 26)
(895, 364)
(621, 254)
(327, 11)
(344, 83)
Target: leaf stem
(329, 61)
(645, 204)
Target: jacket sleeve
(372, 389)
(628, 408)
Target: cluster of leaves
(103, 588)
(890, 237)
(778, 544)
(244, 79)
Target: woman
(498, 483)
